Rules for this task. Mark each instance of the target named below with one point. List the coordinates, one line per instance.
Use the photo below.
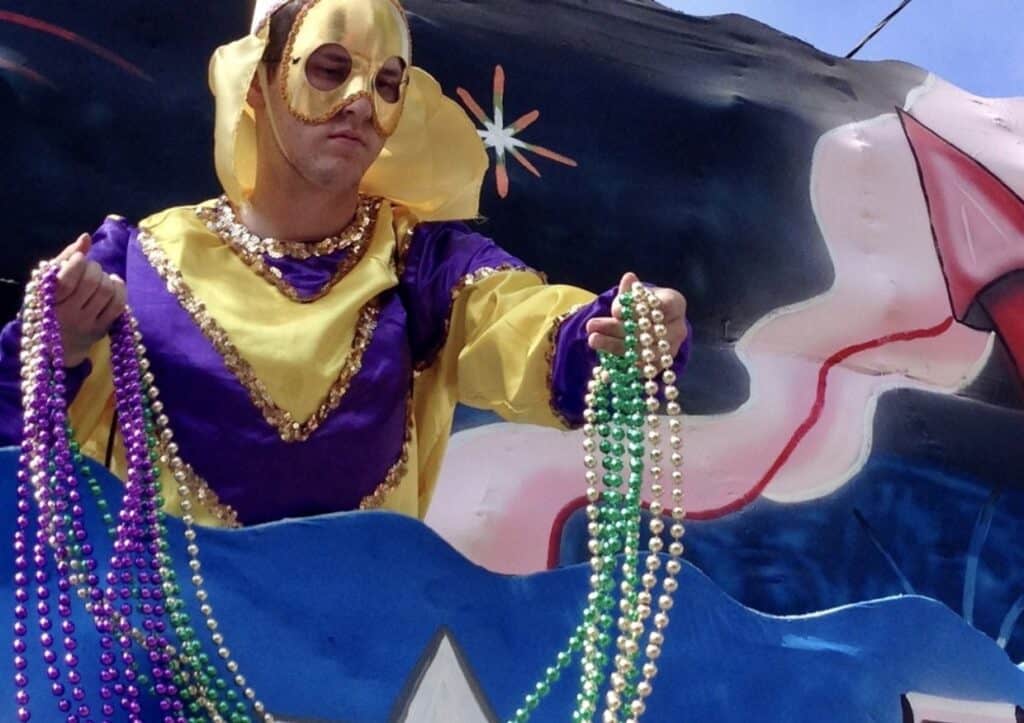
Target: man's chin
(337, 175)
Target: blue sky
(976, 44)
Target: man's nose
(361, 108)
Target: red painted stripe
(787, 451)
(65, 34)
(815, 413)
(558, 526)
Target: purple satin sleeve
(109, 245)
(574, 360)
(439, 259)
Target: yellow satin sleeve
(497, 356)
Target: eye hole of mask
(388, 81)
(328, 67)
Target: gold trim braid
(221, 220)
(200, 488)
(397, 471)
(280, 419)
(220, 217)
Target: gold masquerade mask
(342, 50)
(433, 162)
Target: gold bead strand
(591, 671)
(673, 566)
(633, 620)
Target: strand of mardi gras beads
(191, 674)
(626, 694)
(199, 683)
(46, 438)
(48, 475)
(45, 477)
(198, 662)
(622, 403)
(192, 665)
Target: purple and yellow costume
(309, 378)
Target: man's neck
(299, 213)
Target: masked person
(312, 330)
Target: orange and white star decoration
(504, 139)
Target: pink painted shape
(978, 221)
(888, 281)
(978, 224)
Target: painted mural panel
(850, 237)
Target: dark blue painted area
(329, 615)
(797, 558)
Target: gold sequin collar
(220, 218)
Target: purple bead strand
(143, 521)
(53, 515)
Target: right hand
(88, 301)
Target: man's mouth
(347, 135)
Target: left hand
(606, 333)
